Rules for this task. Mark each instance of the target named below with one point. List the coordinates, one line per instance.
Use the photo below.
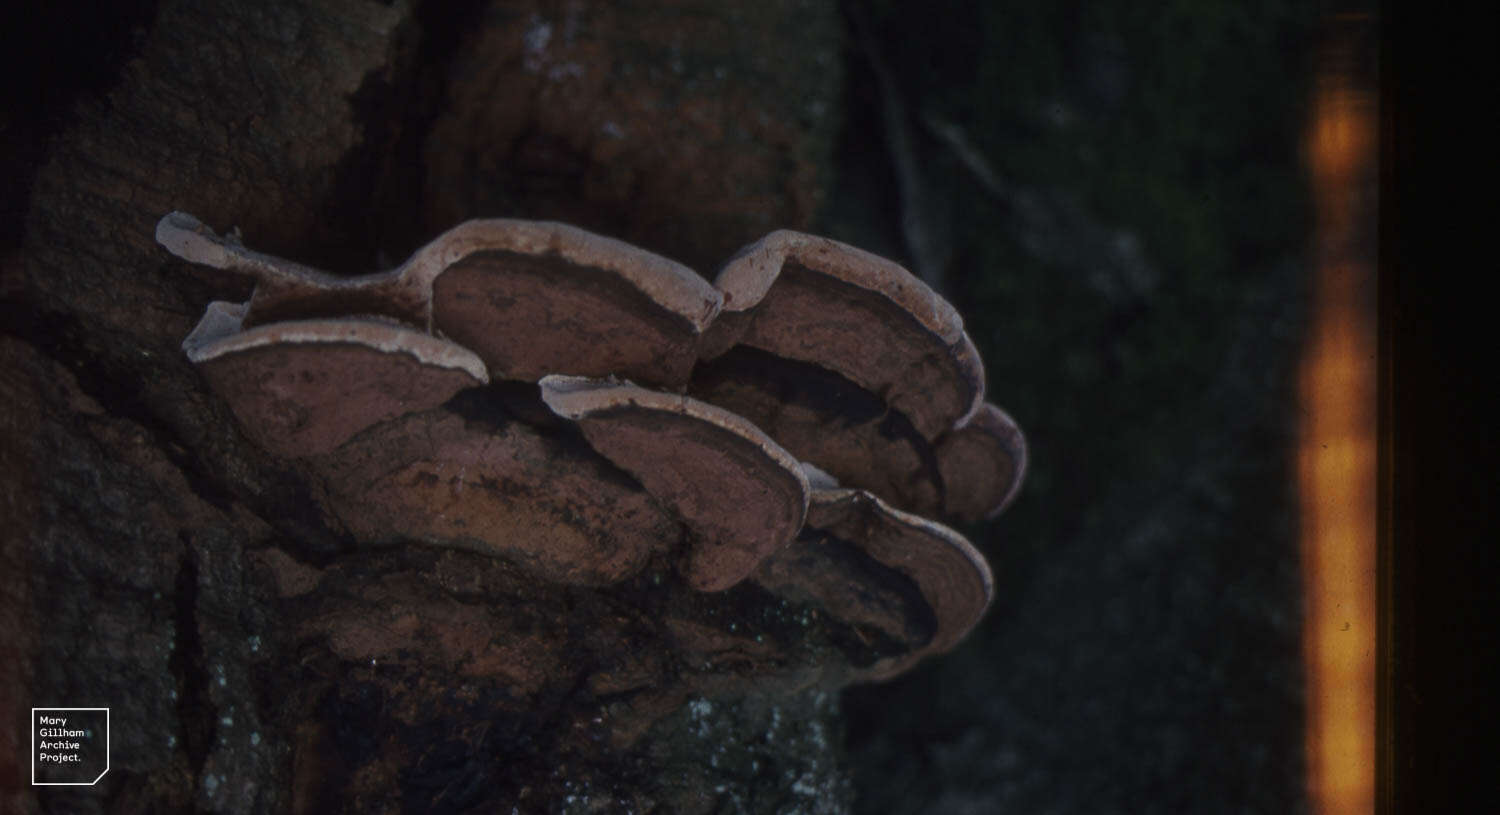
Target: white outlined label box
(69, 745)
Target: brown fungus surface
(824, 418)
(540, 298)
(304, 387)
(285, 289)
(529, 297)
(817, 300)
(953, 579)
(983, 464)
(680, 509)
(501, 487)
(742, 496)
(869, 611)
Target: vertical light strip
(1337, 456)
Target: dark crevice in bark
(375, 206)
(195, 714)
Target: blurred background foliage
(1116, 194)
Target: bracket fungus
(854, 364)
(788, 441)
(529, 297)
(885, 553)
(304, 387)
(740, 494)
(983, 462)
(821, 301)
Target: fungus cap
(500, 486)
(304, 387)
(983, 464)
(529, 297)
(370, 386)
(828, 303)
(739, 493)
(285, 289)
(535, 298)
(825, 419)
(952, 576)
(190, 239)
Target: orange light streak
(1337, 475)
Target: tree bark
(156, 563)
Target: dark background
(1137, 285)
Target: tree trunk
(156, 563)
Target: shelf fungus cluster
(787, 441)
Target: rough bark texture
(158, 563)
